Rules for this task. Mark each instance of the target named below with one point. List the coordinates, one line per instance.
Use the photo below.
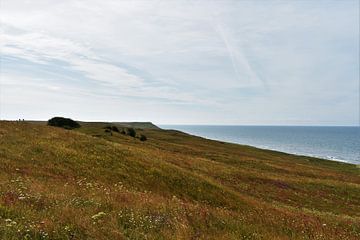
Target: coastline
(300, 154)
(328, 158)
(117, 181)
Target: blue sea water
(333, 143)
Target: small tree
(66, 123)
(143, 138)
(108, 131)
(131, 132)
(115, 129)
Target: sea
(332, 143)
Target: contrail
(238, 58)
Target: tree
(115, 129)
(66, 123)
(131, 132)
(143, 138)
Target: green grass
(88, 184)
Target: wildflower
(9, 222)
(98, 216)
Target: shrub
(66, 123)
(108, 131)
(143, 138)
(111, 128)
(115, 129)
(131, 132)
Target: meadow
(91, 184)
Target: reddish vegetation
(61, 184)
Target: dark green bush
(131, 132)
(115, 129)
(66, 123)
(108, 131)
(143, 138)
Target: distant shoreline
(275, 150)
(150, 125)
(330, 158)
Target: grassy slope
(146, 125)
(61, 184)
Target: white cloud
(211, 54)
(41, 48)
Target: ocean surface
(333, 143)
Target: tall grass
(86, 184)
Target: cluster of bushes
(66, 123)
(142, 138)
(111, 129)
(126, 131)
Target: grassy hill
(142, 125)
(90, 184)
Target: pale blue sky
(181, 62)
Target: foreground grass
(88, 184)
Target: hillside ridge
(69, 184)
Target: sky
(181, 62)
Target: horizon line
(200, 124)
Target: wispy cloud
(40, 48)
(243, 59)
(243, 69)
